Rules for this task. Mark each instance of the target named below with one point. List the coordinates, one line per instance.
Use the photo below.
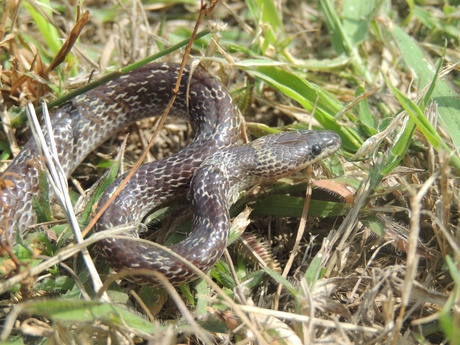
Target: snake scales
(220, 169)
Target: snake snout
(317, 145)
(326, 143)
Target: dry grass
(379, 259)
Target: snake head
(306, 147)
(280, 155)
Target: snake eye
(316, 150)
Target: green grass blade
(270, 23)
(356, 17)
(308, 94)
(443, 95)
(422, 123)
(341, 40)
(315, 270)
(48, 31)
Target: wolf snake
(214, 164)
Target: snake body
(220, 169)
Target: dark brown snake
(220, 169)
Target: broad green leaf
(42, 205)
(87, 311)
(290, 206)
(448, 320)
(365, 114)
(107, 180)
(315, 269)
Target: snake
(214, 168)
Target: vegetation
(371, 256)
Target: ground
(362, 248)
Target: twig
(416, 202)
(157, 129)
(301, 228)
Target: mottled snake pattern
(215, 165)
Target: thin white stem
(58, 182)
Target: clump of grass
(380, 268)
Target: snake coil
(218, 168)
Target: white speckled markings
(220, 169)
(214, 186)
